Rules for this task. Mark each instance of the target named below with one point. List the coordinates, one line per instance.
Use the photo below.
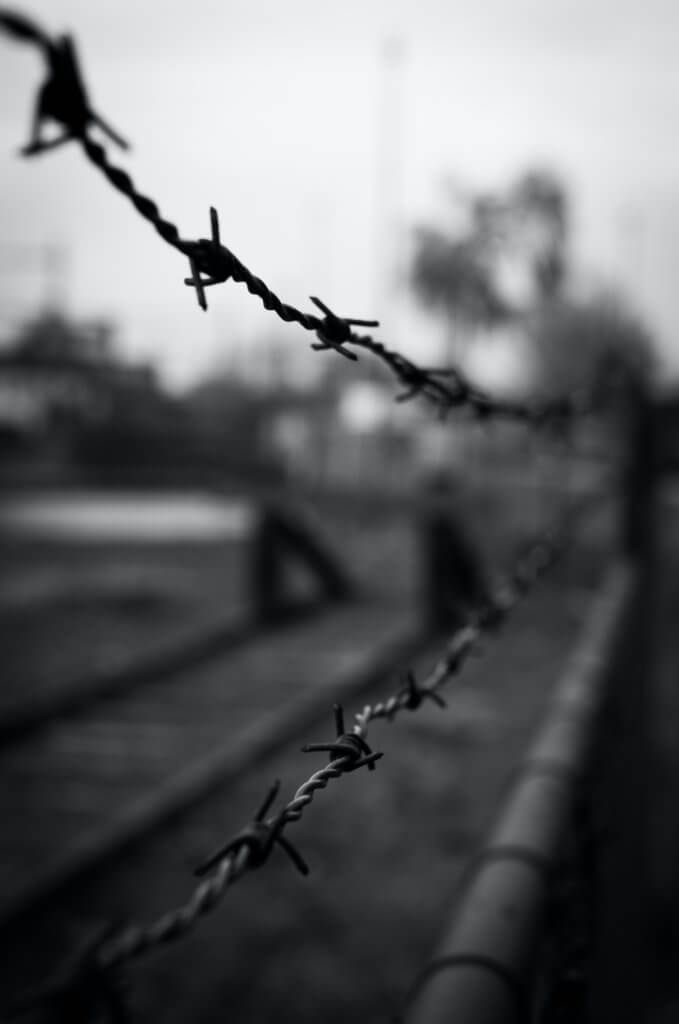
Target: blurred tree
(595, 343)
(538, 207)
(461, 274)
(454, 275)
(508, 264)
(55, 339)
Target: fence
(485, 970)
(489, 972)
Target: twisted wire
(63, 98)
(136, 940)
(459, 648)
(432, 383)
(144, 205)
(97, 974)
(169, 232)
(447, 388)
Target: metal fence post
(281, 537)
(484, 970)
(620, 973)
(639, 475)
(453, 575)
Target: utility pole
(633, 235)
(389, 185)
(389, 188)
(55, 276)
(47, 261)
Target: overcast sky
(275, 112)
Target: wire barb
(62, 97)
(259, 838)
(348, 746)
(208, 256)
(335, 331)
(412, 695)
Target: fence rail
(484, 970)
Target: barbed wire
(95, 980)
(63, 99)
(95, 976)
(350, 750)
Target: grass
(69, 610)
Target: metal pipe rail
(483, 969)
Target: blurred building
(67, 400)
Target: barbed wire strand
(252, 846)
(63, 98)
(96, 978)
